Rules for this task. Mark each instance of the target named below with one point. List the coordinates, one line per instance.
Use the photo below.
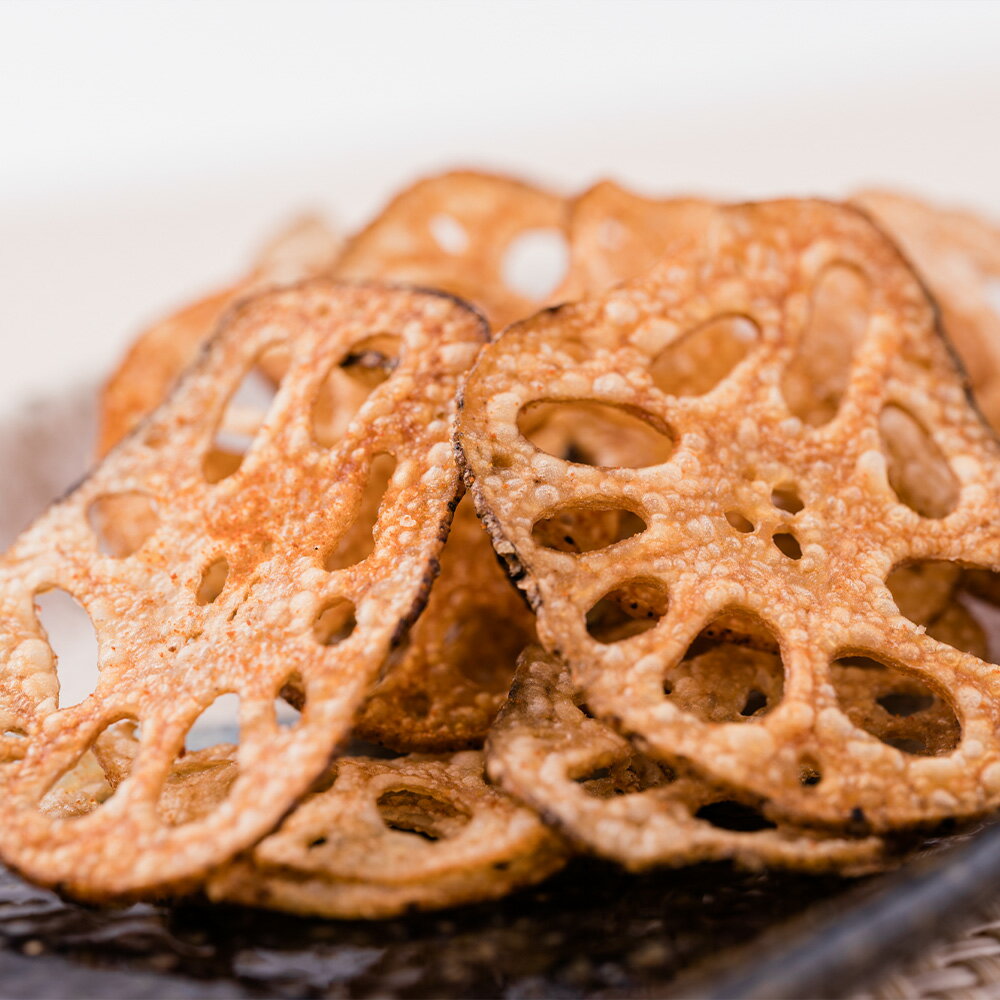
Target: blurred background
(147, 149)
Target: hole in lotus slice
(535, 262)
(958, 606)
(334, 622)
(586, 528)
(206, 768)
(738, 521)
(627, 776)
(787, 544)
(697, 362)
(290, 702)
(246, 410)
(122, 522)
(82, 787)
(815, 381)
(420, 813)
(71, 634)
(728, 814)
(627, 610)
(219, 723)
(896, 707)
(588, 433)
(919, 474)
(810, 773)
(731, 672)
(213, 581)
(358, 541)
(922, 589)
(786, 497)
(350, 382)
(449, 234)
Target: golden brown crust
(815, 577)
(958, 254)
(486, 213)
(443, 687)
(174, 634)
(395, 835)
(609, 799)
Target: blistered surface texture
(229, 594)
(416, 832)
(612, 800)
(793, 521)
(159, 354)
(958, 254)
(443, 686)
(454, 232)
(615, 234)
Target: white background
(146, 148)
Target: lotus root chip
(455, 232)
(386, 836)
(958, 254)
(615, 234)
(159, 355)
(717, 540)
(230, 593)
(443, 686)
(609, 798)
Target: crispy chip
(615, 235)
(454, 232)
(720, 537)
(443, 686)
(417, 832)
(959, 256)
(230, 592)
(610, 799)
(159, 355)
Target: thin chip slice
(443, 687)
(615, 235)
(455, 232)
(230, 594)
(417, 832)
(959, 256)
(157, 357)
(718, 541)
(605, 796)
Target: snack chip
(230, 592)
(615, 234)
(607, 797)
(958, 254)
(456, 232)
(791, 520)
(417, 832)
(443, 686)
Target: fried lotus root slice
(958, 255)
(716, 539)
(414, 833)
(454, 232)
(230, 593)
(610, 799)
(444, 685)
(615, 235)
(157, 357)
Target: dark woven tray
(590, 931)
